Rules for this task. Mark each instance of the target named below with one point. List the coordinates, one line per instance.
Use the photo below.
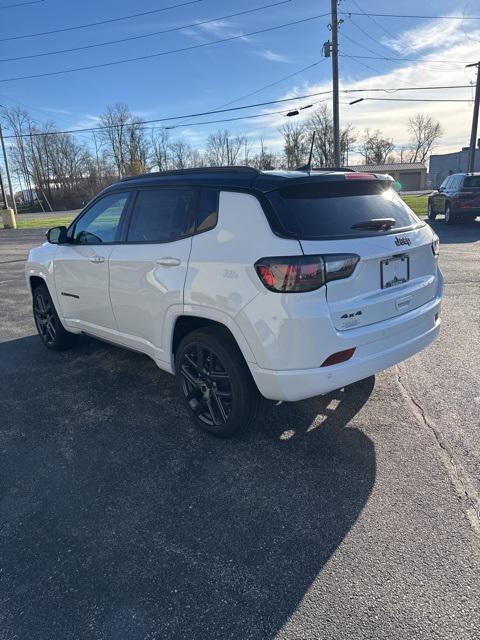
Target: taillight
(294, 274)
(360, 176)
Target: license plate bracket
(395, 271)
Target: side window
(162, 215)
(207, 210)
(100, 222)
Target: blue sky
(208, 77)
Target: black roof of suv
(235, 177)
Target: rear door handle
(97, 259)
(167, 261)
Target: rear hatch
(396, 270)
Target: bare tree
(294, 144)
(223, 149)
(161, 149)
(124, 139)
(323, 152)
(375, 148)
(263, 160)
(424, 134)
(181, 154)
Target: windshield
(332, 209)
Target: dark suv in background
(458, 198)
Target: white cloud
(271, 55)
(438, 34)
(391, 117)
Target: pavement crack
(458, 476)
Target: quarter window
(100, 222)
(162, 215)
(207, 210)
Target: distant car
(240, 282)
(457, 198)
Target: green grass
(43, 222)
(417, 203)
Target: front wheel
(49, 327)
(430, 212)
(215, 383)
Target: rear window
(330, 209)
(471, 182)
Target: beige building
(411, 175)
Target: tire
(49, 327)
(430, 212)
(450, 217)
(214, 382)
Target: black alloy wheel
(214, 382)
(45, 319)
(206, 385)
(49, 327)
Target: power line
(398, 15)
(380, 26)
(94, 24)
(162, 53)
(358, 44)
(367, 35)
(416, 99)
(255, 115)
(21, 4)
(462, 62)
(450, 86)
(182, 117)
(272, 84)
(148, 35)
(251, 106)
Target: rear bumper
(378, 347)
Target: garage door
(411, 180)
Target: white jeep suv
(240, 282)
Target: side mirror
(57, 235)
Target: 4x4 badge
(401, 240)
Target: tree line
(64, 170)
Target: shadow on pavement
(456, 233)
(119, 519)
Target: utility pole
(336, 108)
(473, 136)
(5, 158)
(4, 195)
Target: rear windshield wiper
(375, 223)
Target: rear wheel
(49, 327)
(450, 217)
(430, 212)
(215, 383)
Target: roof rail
(195, 170)
(342, 169)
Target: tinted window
(456, 182)
(330, 209)
(445, 184)
(207, 210)
(100, 222)
(471, 182)
(162, 215)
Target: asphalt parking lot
(353, 515)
